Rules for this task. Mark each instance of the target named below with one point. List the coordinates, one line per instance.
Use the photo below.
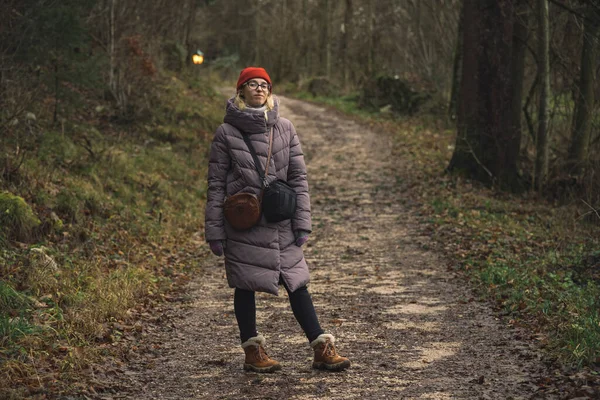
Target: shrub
(391, 92)
(322, 86)
(174, 55)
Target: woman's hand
(216, 246)
(301, 237)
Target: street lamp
(198, 57)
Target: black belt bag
(278, 199)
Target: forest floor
(410, 324)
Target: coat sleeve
(297, 179)
(218, 165)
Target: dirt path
(410, 327)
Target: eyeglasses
(254, 85)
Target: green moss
(17, 219)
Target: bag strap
(263, 176)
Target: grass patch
(538, 263)
(346, 103)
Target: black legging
(245, 312)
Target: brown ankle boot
(326, 357)
(257, 359)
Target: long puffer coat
(258, 258)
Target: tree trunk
(325, 66)
(328, 41)
(457, 69)
(306, 50)
(371, 33)
(517, 72)
(464, 159)
(56, 86)
(282, 56)
(578, 153)
(257, 41)
(2, 97)
(542, 142)
(486, 147)
(112, 66)
(344, 43)
(191, 19)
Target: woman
(268, 254)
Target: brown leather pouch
(242, 210)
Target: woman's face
(255, 92)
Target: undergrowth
(98, 223)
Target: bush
(393, 94)
(17, 219)
(321, 86)
(174, 56)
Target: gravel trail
(410, 326)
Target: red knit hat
(252, 72)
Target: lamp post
(198, 57)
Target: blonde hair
(241, 104)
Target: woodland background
(105, 124)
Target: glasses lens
(255, 85)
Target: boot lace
(261, 353)
(329, 349)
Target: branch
(594, 141)
(575, 12)
(98, 41)
(88, 146)
(567, 8)
(8, 170)
(593, 211)
(530, 127)
(477, 160)
(526, 106)
(14, 115)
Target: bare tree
(579, 150)
(541, 160)
(517, 72)
(456, 69)
(344, 48)
(111, 47)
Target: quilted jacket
(259, 258)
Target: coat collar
(249, 122)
